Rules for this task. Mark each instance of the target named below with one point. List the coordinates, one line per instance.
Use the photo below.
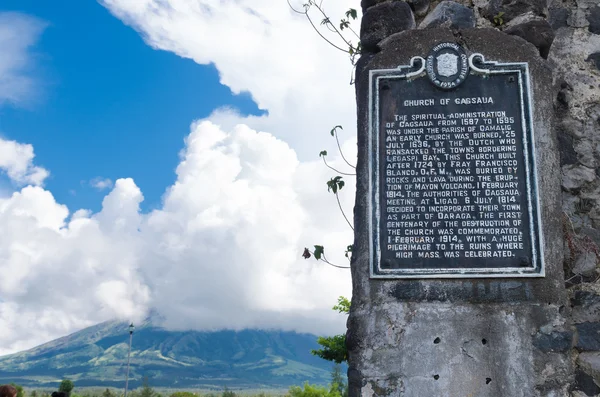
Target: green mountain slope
(97, 356)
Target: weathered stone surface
(514, 8)
(565, 145)
(588, 336)
(486, 344)
(365, 4)
(537, 32)
(521, 19)
(577, 18)
(577, 393)
(558, 17)
(594, 20)
(585, 306)
(595, 59)
(554, 342)
(586, 151)
(383, 20)
(420, 7)
(590, 363)
(576, 176)
(585, 383)
(585, 264)
(449, 14)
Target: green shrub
(183, 394)
(313, 391)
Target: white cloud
(18, 33)
(100, 183)
(229, 237)
(263, 47)
(224, 249)
(16, 160)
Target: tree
(108, 393)
(334, 347)
(228, 393)
(20, 392)
(338, 380)
(147, 391)
(309, 390)
(183, 394)
(66, 386)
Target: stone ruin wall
(567, 34)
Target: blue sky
(206, 118)
(109, 103)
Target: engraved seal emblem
(447, 65)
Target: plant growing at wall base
(334, 347)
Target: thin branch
(349, 43)
(339, 172)
(352, 30)
(342, 211)
(324, 259)
(296, 11)
(323, 37)
(335, 30)
(340, 149)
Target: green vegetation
(314, 391)
(183, 394)
(334, 347)
(20, 392)
(337, 388)
(66, 386)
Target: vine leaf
(319, 251)
(332, 132)
(348, 251)
(335, 184)
(306, 253)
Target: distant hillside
(97, 356)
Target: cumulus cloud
(18, 33)
(56, 271)
(264, 48)
(230, 235)
(100, 183)
(224, 251)
(16, 160)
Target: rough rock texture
(420, 7)
(590, 363)
(510, 9)
(537, 32)
(593, 19)
(499, 337)
(588, 336)
(585, 264)
(449, 14)
(382, 20)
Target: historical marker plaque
(452, 168)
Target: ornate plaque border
(478, 66)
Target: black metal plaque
(452, 167)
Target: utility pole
(131, 328)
